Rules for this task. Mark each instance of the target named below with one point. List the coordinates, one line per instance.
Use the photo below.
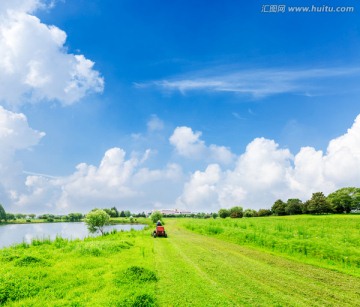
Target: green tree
(214, 215)
(250, 213)
(318, 204)
(264, 212)
(2, 213)
(223, 213)
(293, 206)
(116, 211)
(127, 213)
(96, 220)
(345, 200)
(111, 212)
(236, 212)
(122, 214)
(73, 217)
(157, 216)
(278, 207)
(10, 217)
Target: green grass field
(331, 241)
(186, 269)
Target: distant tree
(305, 206)
(236, 212)
(345, 200)
(122, 214)
(10, 217)
(156, 216)
(202, 215)
(318, 204)
(32, 215)
(223, 213)
(74, 217)
(96, 220)
(20, 216)
(111, 212)
(127, 213)
(2, 213)
(214, 215)
(293, 206)
(264, 212)
(250, 213)
(278, 207)
(116, 211)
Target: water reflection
(18, 233)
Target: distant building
(175, 212)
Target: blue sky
(225, 70)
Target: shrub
(223, 213)
(156, 216)
(236, 212)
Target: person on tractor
(158, 223)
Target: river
(17, 233)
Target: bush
(264, 212)
(236, 212)
(156, 216)
(250, 213)
(224, 213)
(96, 220)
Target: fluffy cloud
(188, 144)
(262, 174)
(34, 63)
(266, 172)
(116, 181)
(15, 134)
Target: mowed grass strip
(202, 271)
(331, 241)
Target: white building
(175, 212)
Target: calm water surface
(18, 233)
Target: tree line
(344, 200)
(71, 217)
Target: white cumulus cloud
(34, 62)
(117, 180)
(266, 172)
(15, 135)
(188, 144)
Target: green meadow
(202, 263)
(331, 241)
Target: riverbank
(185, 269)
(117, 220)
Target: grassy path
(196, 270)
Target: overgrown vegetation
(80, 273)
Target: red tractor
(159, 232)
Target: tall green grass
(81, 272)
(332, 241)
